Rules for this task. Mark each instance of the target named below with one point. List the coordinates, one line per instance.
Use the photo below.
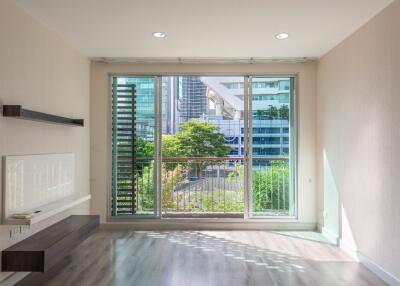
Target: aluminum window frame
(294, 125)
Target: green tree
(284, 112)
(272, 112)
(144, 148)
(201, 139)
(270, 187)
(194, 139)
(259, 113)
(170, 147)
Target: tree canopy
(144, 148)
(194, 139)
(197, 139)
(273, 112)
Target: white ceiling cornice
(219, 60)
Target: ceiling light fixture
(282, 36)
(159, 35)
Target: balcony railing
(214, 187)
(201, 186)
(270, 187)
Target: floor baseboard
(187, 225)
(378, 270)
(371, 265)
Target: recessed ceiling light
(159, 35)
(282, 36)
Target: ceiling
(203, 28)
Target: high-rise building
(219, 100)
(191, 97)
(270, 113)
(168, 105)
(144, 107)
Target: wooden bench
(43, 250)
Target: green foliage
(273, 112)
(195, 139)
(270, 190)
(172, 175)
(284, 112)
(170, 146)
(144, 148)
(196, 199)
(223, 201)
(270, 184)
(200, 139)
(271, 187)
(145, 190)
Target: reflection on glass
(271, 192)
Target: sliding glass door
(203, 146)
(271, 108)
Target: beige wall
(40, 71)
(359, 132)
(100, 133)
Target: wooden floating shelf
(16, 111)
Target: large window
(203, 146)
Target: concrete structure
(226, 110)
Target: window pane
(202, 146)
(133, 146)
(271, 191)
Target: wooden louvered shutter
(123, 149)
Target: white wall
(359, 135)
(100, 132)
(40, 71)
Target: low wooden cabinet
(41, 251)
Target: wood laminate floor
(206, 258)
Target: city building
(219, 100)
(270, 134)
(190, 92)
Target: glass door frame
(293, 146)
(247, 145)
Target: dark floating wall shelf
(17, 111)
